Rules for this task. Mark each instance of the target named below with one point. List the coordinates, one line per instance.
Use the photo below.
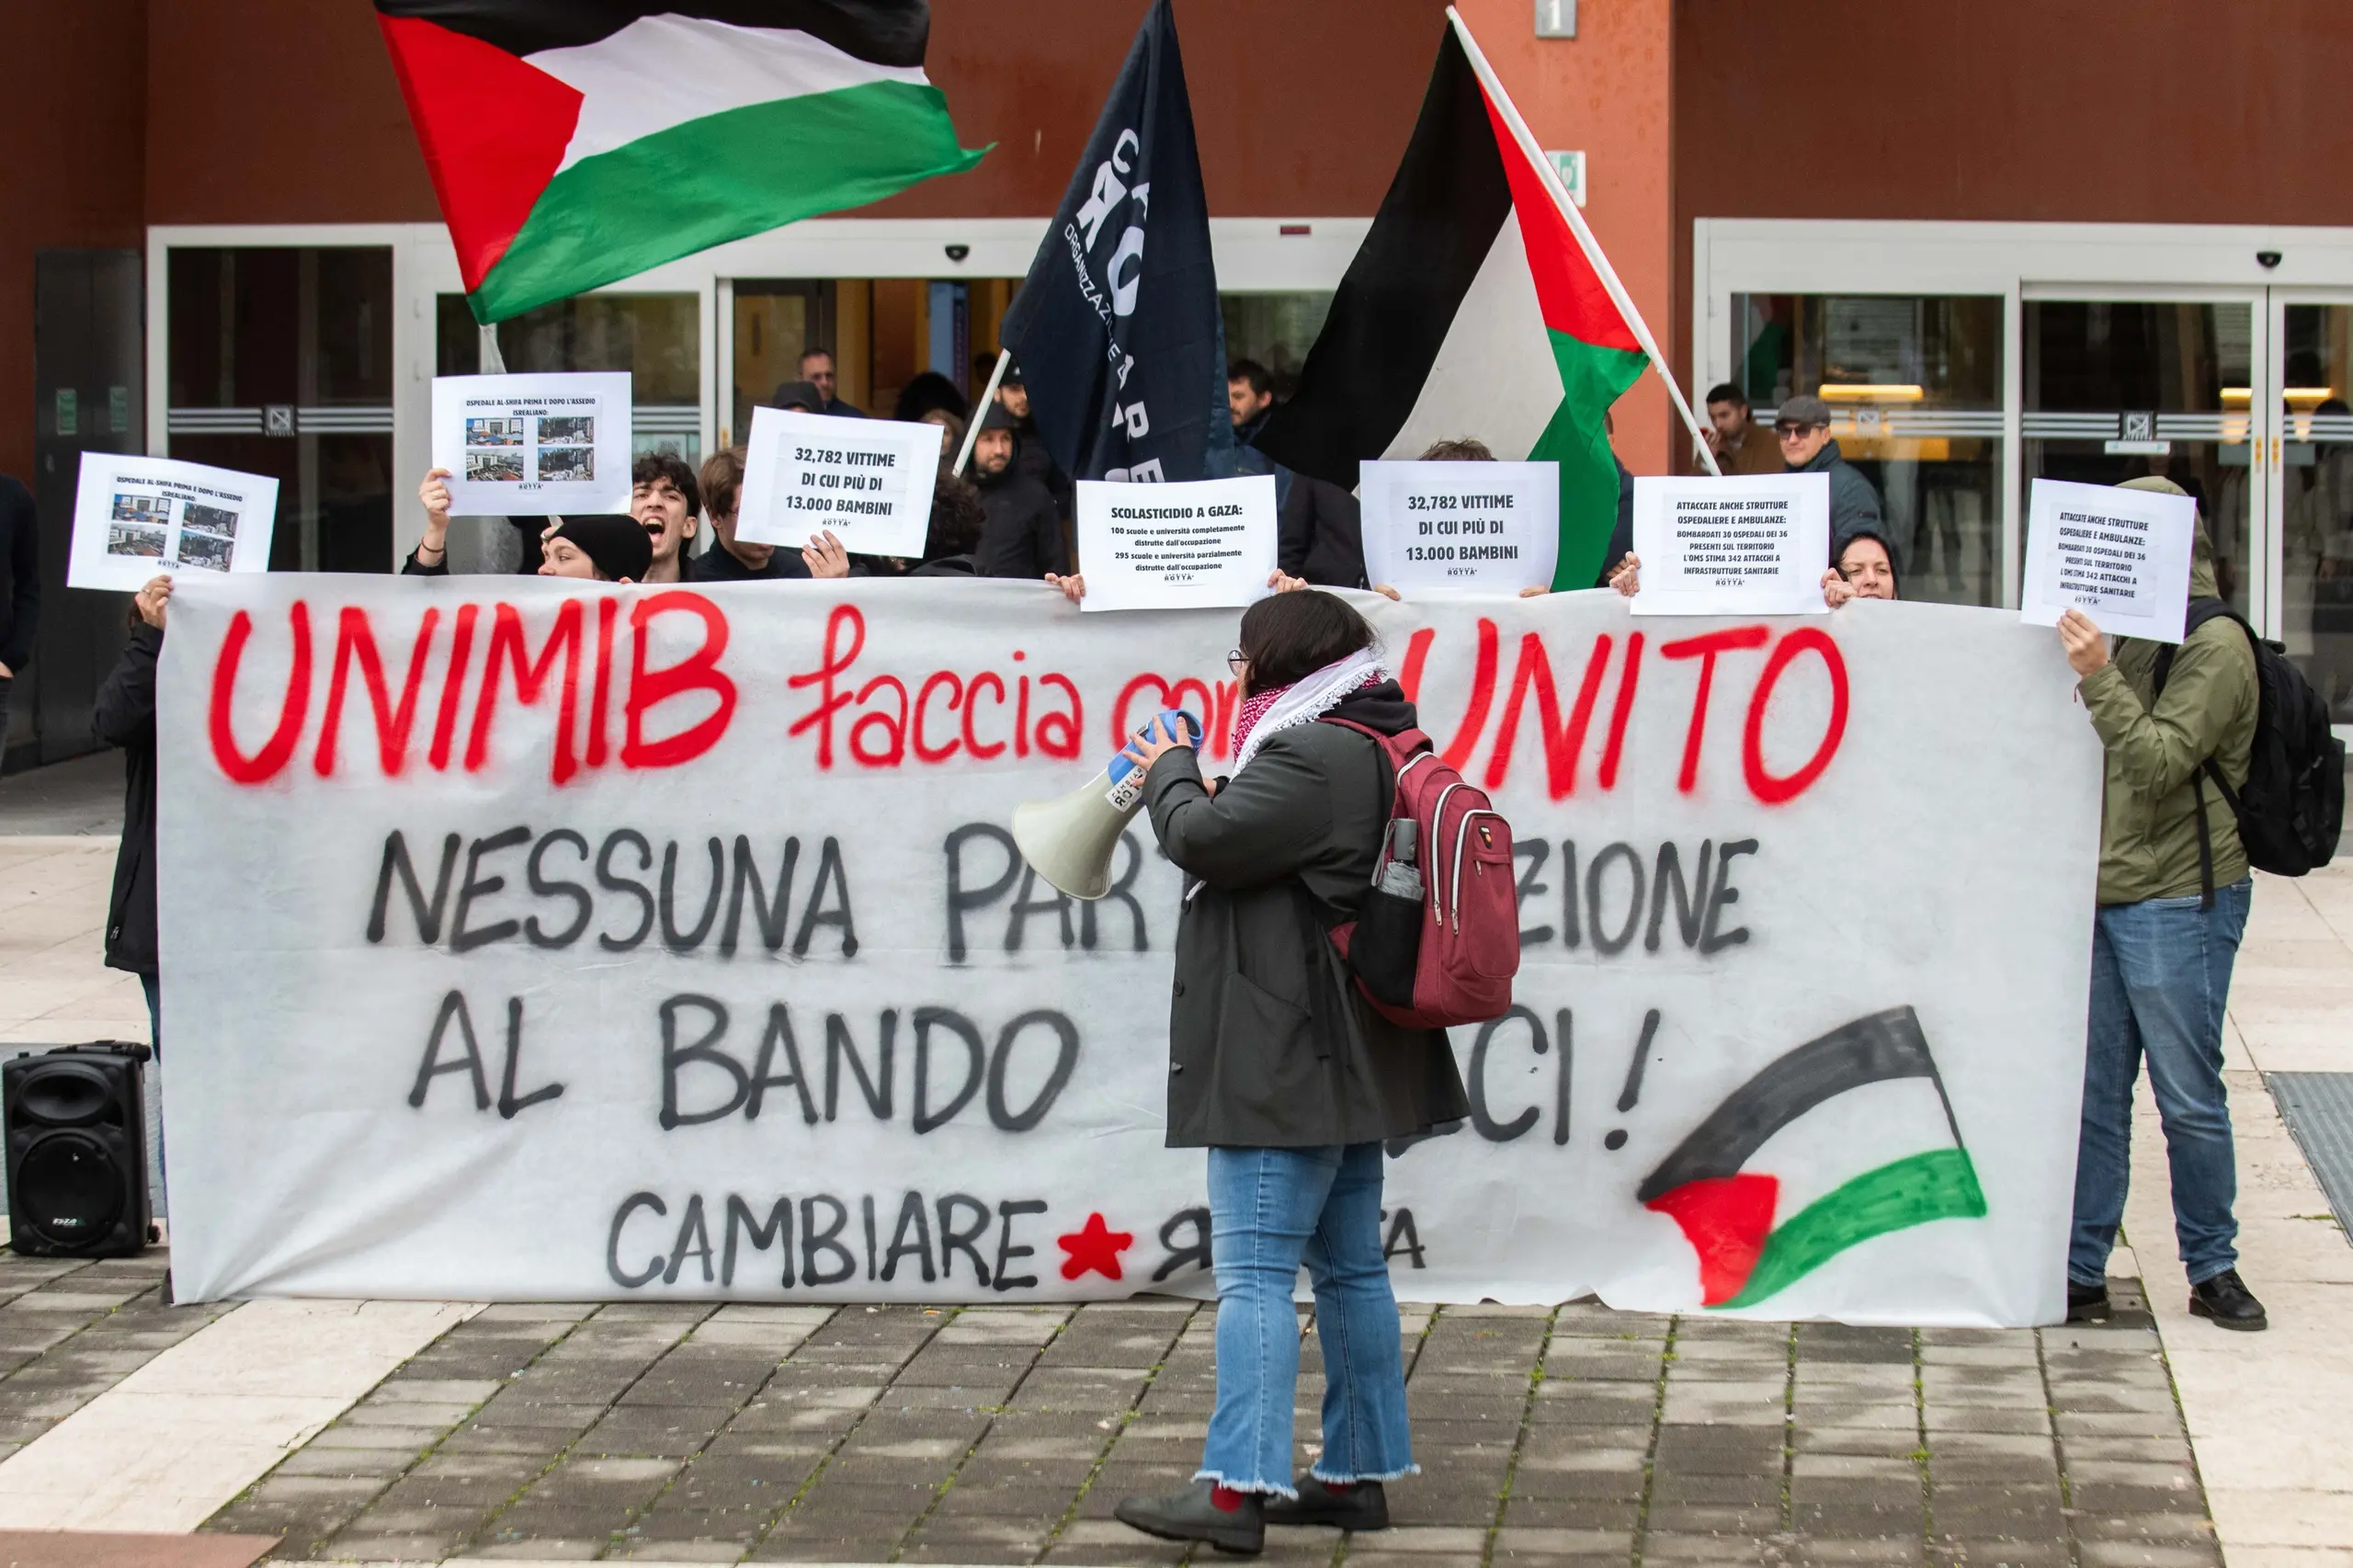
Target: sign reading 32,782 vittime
(1476, 528)
(866, 482)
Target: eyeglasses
(1235, 661)
(1788, 427)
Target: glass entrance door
(2311, 492)
(2115, 388)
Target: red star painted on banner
(1096, 1247)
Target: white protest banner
(136, 517)
(1175, 546)
(868, 481)
(1741, 545)
(2121, 556)
(533, 443)
(676, 946)
(1452, 527)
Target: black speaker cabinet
(77, 1151)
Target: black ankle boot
(2227, 1300)
(1192, 1515)
(2087, 1303)
(1363, 1507)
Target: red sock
(1226, 1499)
(1339, 1488)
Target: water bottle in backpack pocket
(1437, 941)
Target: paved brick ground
(865, 1433)
(70, 1329)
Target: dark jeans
(2161, 974)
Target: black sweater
(19, 575)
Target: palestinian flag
(573, 142)
(1471, 309)
(1892, 1160)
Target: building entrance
(2243, 398)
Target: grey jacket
(1270, 1045)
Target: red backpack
(1437, 941)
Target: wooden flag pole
(979, 411)
(1551, 178)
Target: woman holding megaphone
(1279, 1069)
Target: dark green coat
(1270, 1045)
(2157, 745)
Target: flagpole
(980, 409)
(1551, 178)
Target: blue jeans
(1269, 1210)
(2161, 974)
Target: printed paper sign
(2121, 556)
(735, 986)
(1175, 546)
(1753, 545)
(1451, 527)
(867, 480)
(532, 444)
(136, 517)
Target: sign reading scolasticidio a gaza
(866, 482)
(533, 443)
(1441, 528)
(1748, 545)
(1175, 546)
(650, 943)
(2122, 557)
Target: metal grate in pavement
(2318, 1109)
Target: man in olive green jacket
(2163, 941)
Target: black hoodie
(1381, 708)
(1024, 534)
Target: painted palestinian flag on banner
(1895, 1159)
(1470, 310)
(575, 143)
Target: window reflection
(1914, 387)
(2316, 468)
(279, 362)
(657, 338)
(2119, 389)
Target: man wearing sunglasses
(1802, 424)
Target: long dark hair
(1289, 636)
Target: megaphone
(1068, 841)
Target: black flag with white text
(1117, 328)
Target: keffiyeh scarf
(1303, 701)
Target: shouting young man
(664, 499)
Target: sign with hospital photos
(866, 482)
(533, 443)
(136, 517)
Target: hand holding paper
(2086, 643)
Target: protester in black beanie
(606, 549)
